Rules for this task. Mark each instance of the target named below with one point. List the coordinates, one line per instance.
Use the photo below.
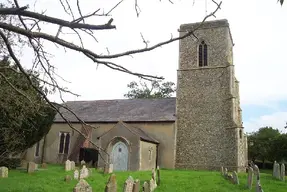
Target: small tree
(155, 90)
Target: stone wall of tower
(207, 101)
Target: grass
(52, 180)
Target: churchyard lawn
(52, 180)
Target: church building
(199, 129)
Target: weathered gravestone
(112, 184)
(277, 171)
(76, 174)
(146, 187)
(158, 175)
(3, 172)
(258, 186)
(129, 183)
(250, 177)
(136, 186)
(73, 165)
(225, 172)
(83, 186)
(256, 172)
(84, 173)
(274, 168)
(235, 178)
(31, 166)
(68, 165)
(153, 176)
(108, 168)
(152, 185)
(83, 162)
(222, 171)
(282, 172)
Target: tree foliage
(260, 143)
(281, 1)
(25, 117)
(155, 90)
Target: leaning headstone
(129, 183)
(31, 166)
(73, 165)
(67, 178)
(158, 175)
(258, 186)
(146, 187)
(225, 172)
(3, 172)
(82, 186)
(235, 178)
(136, 186)
(274, 168)
(250, 178)
(76, 174)
(111, 168)
(282, 172)
(68, 165)
(112, 184)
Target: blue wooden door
(120, 156)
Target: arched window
(202, 54)
(64, 143)
(37, 149)
(67, 142)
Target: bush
(11, 163)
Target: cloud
(276, 120)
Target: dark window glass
(67, 143)
(205, 55)
(62, 140)
(200, 56)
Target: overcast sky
(259, 30)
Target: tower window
(37, 149)
(202, 54)
(240, 133)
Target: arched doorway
(120, 156)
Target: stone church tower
(209, 125)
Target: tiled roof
(126, 110)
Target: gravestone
(108, 168)
(152, 185)
(250, 178)
(73, 165)
(112, 184)
(67, 178)
(111, 168)
(282, 172)
(82, 186)
(274, 167)
(277, 171)
(83, 162)
(146, 187)
(76, 174)
(129, 183)
(84, 172)
(136, 186)
(3, 172)
(256, 171)
(68, 165)
(158, 175)
(31, 166)
(235, 178)
(222, 171)
(258, 186)
(225, 172)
